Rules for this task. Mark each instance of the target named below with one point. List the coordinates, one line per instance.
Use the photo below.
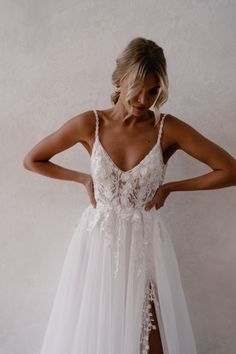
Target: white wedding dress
(118, 249)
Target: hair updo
(140, 57)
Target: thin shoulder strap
(97, 123)
(161, 128)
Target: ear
(117, 89)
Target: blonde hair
(140, 57)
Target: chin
(137, 111)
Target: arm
(75, 130)
(206, 151)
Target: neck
(119, 112)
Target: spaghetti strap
(159, 133)
(97, 123)
(160, 129)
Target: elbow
(26, 164)
(29, 163)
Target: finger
(93, 201)
(148, 206)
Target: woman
(120, 290)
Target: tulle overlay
(119, 259)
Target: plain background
(56, 61)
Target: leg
(154, 335)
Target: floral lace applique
(141, 222)
(147, 322)
(124, 194)
(132, 188)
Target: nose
(142, 99)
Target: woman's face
(146, 97)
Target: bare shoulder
(171, 123)
(81, 125)
(179, 131)
(197, 145)
(77, 129)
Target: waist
(123, 210)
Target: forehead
(150, 80)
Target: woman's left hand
(159, 198)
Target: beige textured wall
(56, 61)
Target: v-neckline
(157, 144)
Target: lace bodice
(126, 189)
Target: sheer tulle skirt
(102, 300)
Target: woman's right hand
(88, 183)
